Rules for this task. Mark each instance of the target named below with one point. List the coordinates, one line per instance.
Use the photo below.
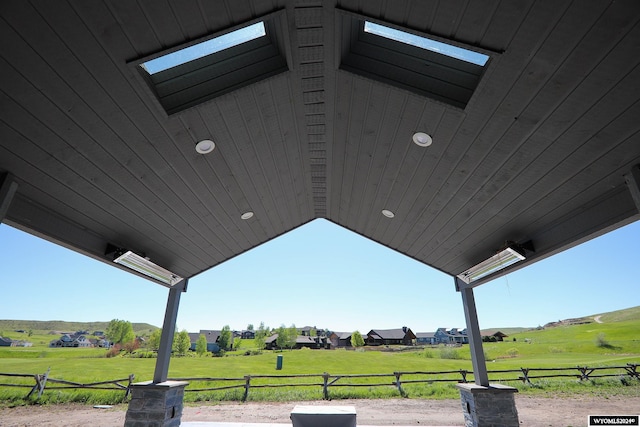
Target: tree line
(120, 333)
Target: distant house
(104, 343)
(301, 341)
(81, 341)
(71, 340)
(248, 335)
(212, 337)
(459, 336)
(270, 342)
(306, 331)
(400, 336)
(500, 336)
(306, 341)
(452, 336)
(100, 342)
(426, 338)
(6, 342)
(340, 339)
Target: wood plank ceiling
(540, 152)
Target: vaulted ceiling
(541, 147)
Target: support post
(483, 404)
(473, 332)
(8, 188)
(158, 403)
(633, 182)
(168, 329)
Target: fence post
(464, 373)
(631, 370)
(44, 382)
(525, 378)
(128, 391)
(399, 384)
(584, 375)
(41, 381)
(247, 384)
(325, 386)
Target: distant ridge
(627, 314)
(63, 326)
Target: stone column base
(492, 406)
(155, 404)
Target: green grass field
(616, 342)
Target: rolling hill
(627, 314)
(45, 326)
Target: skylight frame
(451, 50)
(424, 72)
(204, 48)
(185, 86)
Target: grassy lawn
(595, 345)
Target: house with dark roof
(307, 341)
(301, 341)
(426, 338)
(452, 336)
(5, 342)
(212, 337)
(270, 342)
(400, 336)
(500, 336)
(341, 339)
(71, 340)
(248, 335)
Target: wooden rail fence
(397, 379)
(326, 381)
(43, 381)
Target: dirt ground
(532, 411)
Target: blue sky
(319, 275)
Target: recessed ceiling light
(422, 139)
(388, 213)
(205, 146)
(246, 215)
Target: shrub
(114, 351)
(131, 346)
(601, 341)
(513, 352)
(449, 353)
